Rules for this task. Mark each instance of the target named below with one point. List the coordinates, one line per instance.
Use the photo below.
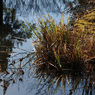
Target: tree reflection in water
(10, 38)
(7, 44)
(47, 82)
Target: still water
(17, 75)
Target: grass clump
(56, 46)
(59, 47)
(86, 22)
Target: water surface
(19, 78)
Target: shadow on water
(46, 82)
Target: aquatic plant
(60, 47)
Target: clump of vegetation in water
(62, 48)
(86, 26)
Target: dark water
(17, 75)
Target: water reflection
(11, 37)
(6, 50)
(69, 82)
(1, 12)
(46, 82)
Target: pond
(18, 76)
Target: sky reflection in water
(19, 80)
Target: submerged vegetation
(63, 47)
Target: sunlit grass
(57, 46)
